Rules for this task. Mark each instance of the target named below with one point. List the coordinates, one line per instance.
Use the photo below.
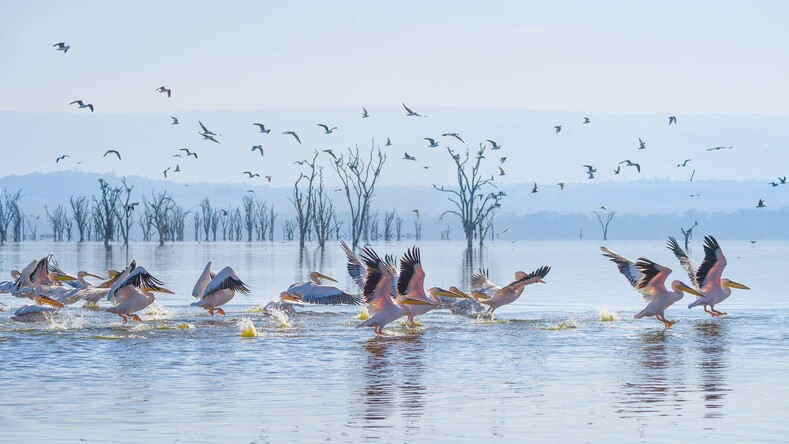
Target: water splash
(363, 314)
(247, 328)
(157, 311)
(279, 315)
(67, 321)
(609, 316)
(564, 325)
(257, 309)
(186, 326)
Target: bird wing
(226, 279)
(709, 273)
(325, 127)
(202, 282)
(638, 167)
(377, 284)
(482, 284)
(408, 109)
(205, 130)
(412, 276)
(534, 276)
(687, 263)
(356, 269)
(140, 278)
(626, 266)
(653, 278)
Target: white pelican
(37, 275)
(412, 285)
(8, 286)
(497, 295)
(649, 279)
(37, 312)
(92, 296)
(358, 271)
(80, 289)
(285, 304)
(378, 282)
(313, 292)
(707, 278)
(213, 290)
(132, 292)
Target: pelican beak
(94, 276)
(64, 278)
(323, 276)
(458, 294)
(46, 300)
(292, 298)
(158, 290)
(450, 294)
(479, 297)
(732, 284)
(410, 301)
(690, 290)
(540, 281)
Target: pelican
(286, 303)
(672, 119)
(410, 113)
(63, 157)
(641, 144)
(456, 136)
(433, 142)
(8, 286)
(205, 130)
(92, 296)
(466, 305)
(189, 153)
(313, 292)
(293, 133)
(411, 285)
(378, 282)
(82, 288)
(259, 148)
(495, 296)
(175, 121)
(630, 164)
(213, 290)
(82, 105)
(557, 128)
(112, 152)
(586, 120)
(326, 128)
(707, 278)
(262, 128)
(496, 146)
(61, 46)
(364, 113)
(406, 156)
(133, 291)
(162, 89)
(649, 278)
(37, 312)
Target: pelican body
(649, 278)
(313, 292)
(37, 312)
(132, 292)
(411, 286)
(707, 278)
(495, 296)
(286, 304)
(213, 290)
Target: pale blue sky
(605, 56)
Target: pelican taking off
(133, 291)
(358, 271)
(213, 290)
(37, 312)
(411, 285)
(649, 279)
(494, 296)
(313, 292)
(707, 278)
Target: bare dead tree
(9, 212)
(32, 225)
(197, 220)
(272, 218)
(604, 225)
(446, 233)
(205, 208)
(177, 223)
(224, 221)
(249, 215)
(398, 226)
(359, 177)
(144, 221)
(417, 229)
(236, 225)
(324, 213)
(688, 234)
(215, 216)
(305, 205)
(160, 207)
(389, 222)
(486, 227)
(56, 222)
(289, 229)
(261, 220)
(371, 228)
(104, 206)
(124, 211)
(473, 204)
(79, 212)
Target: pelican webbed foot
(136, 318)
(211, 311)
(125, 319)
(220, 311)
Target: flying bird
(591, 174)
(761, 204)
(213, 290)
(388, 142)
(641, 144)
(716, 148)
(364, 113)
(407, 157)
(501, 171)
(61, 158)
(586, 120)
(557, 128)
(782, 180)
(82, 105)
(262, 128)
(409, 112)
(175, 121)
(250, 174)
(502, 159)
(590, 169)
(177, 168)
(496, 146)
(331, 153)
(534, 188)
(293, 133)
(774, 184)
(630, 164)
(416, 212)
(259, 148)
(456, 136)
(208, 137)
(433, 143)
(683, 164)
(672, 119)
(205, 130)
(189, 153)
(327, 129)
(618, 168)
(268, 178)
(495, 296)
(165, 172)
(113, 152)
(561, 186)
(162, 89)
(61, 46)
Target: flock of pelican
(389, 290)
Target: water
(566, 362)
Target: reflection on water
(713, 366)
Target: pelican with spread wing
(313, 292)
(213, 290)
(708, 277)
(494, 296)
(133, 291)
(412, 285)
(649, 278)
(38, 312)
(380, 305)
(357, 270)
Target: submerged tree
(473, 204)
(604, 224)
(160, 206)
(79, 211)
(305, 204)
(104, 210)
(9, 212)
(324, 213)
(124, 211)
(359, 177)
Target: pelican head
(46, 300)
(679, 285)
(316, 277)
(731, 284)
(15, 274)
(291, 298)
(113, 273)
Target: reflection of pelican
(707, 278)
(496, 296)
(378, 282)
(132, 292)
(213, 290)
(37, 312)
(712, 364)
(313, 292)
(412, 285)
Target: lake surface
(546, 369)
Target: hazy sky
(605, 56)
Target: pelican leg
(136, 318)
(718, 313)
(379, 331)
(220, 311)
(710, 312)
(665, 322)
(211, 311)
(125, 319)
